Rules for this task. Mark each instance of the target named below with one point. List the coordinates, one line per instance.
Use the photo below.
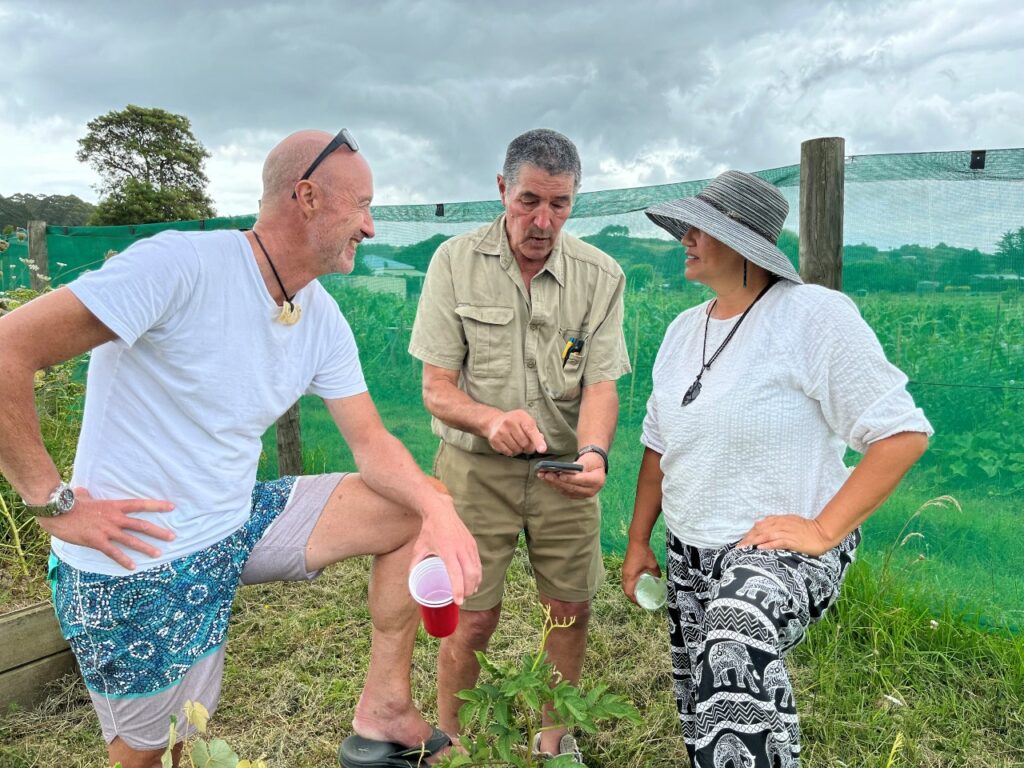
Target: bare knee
(476, 627)
(562, 611)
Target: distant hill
(59, 210)
(416, 255)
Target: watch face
(65, 500)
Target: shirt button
(530, 404)
(531, 363)
(534, 326)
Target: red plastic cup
(431, 588)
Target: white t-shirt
(176, 406)
(803, 377)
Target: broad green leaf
(486, 663)
(466, 713)
(213, 754)
(200, 754)
(504, 747)
(501, 713)
(530, 697)
(221, 755)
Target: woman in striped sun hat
(756, 395)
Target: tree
(150, 164)
(61, 210)
(1010, 252)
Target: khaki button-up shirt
(476, 316)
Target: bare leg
(119, 752)
(457, 667)
(356, 521)
(566, 648)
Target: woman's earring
(744, 273)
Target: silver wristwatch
(61, 501)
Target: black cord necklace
(290, 311)
(694, 390)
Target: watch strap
(55, 504)
(595, 449)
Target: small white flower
(934, 624)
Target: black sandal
(358, 752)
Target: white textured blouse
(803, 378)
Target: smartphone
(557, 466)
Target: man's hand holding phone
(576, 480)
(546, 465)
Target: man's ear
(501, 188)
(306, 197)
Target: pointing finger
(540, 445)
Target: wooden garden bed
(32, 654)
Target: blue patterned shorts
(139, 634)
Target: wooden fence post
(289, 443)
(38, 254)
(822, 172)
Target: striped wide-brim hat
(738, 209)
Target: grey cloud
(652, 93)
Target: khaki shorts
(498, 498)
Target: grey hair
(548, 150)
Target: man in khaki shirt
(519, 328)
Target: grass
(878, 667)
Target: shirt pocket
(565, 385)
(489, 336)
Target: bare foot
(401, 723)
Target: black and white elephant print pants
(733, 615)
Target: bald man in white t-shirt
(200, 342)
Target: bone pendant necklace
(290, 311)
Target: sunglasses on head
(343, 137)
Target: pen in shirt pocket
(572, 345)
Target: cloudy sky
(652, 92)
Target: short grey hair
(548, 150)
